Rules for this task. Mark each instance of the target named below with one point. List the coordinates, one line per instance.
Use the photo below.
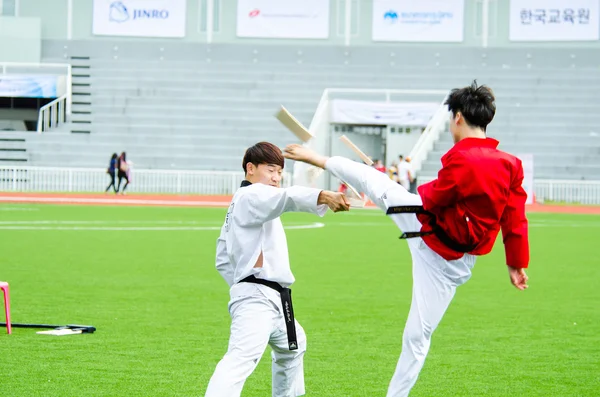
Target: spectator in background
(123, 173)
(111, 171)
(393, 172)
(412, 177)
(379, 166)
(404, 172)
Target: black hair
(263, 153)
(475, 103)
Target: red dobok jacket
(478, 192)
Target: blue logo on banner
(391, 16)
(119, 13)
(417, 18)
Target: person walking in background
(404, 172)
(123, 173)
(112, 168)
(412, 177)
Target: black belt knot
(435, 228)
(286, 304)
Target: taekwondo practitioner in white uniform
(252, 257)
(452, 220)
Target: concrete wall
(53, 14)
(20, 39)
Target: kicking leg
(375, 184)
(383, 191)
(432, 293)
(364, 178)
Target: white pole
(209, 20)
(70, 20)
(69, 88)
(17, 8)
(485, 22)
(348, 18)
(1, 5)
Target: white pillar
(348, 19)
(17, 8)
(69, 19)
(485, 22)
(209, 20)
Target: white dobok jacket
(252, 226)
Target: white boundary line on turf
(315, 225)
(18, 209)
(82, 200)
(119, 222)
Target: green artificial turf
(145, 278)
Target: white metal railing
(424, 145)
(47, 68)
(565, 191)
(52, 114)
(50, 179)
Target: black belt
(286, 304)
(435, 229)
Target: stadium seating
(189, 106)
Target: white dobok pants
(257, 321)
(434, 278)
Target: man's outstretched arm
(263, 203)
(364, 178)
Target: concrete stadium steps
(201, 103)
(504, 102)
(200, 100)
(204, 130)
(374, 76)
(181, 50)
(567, 146)
(157, 151)
(116, 68)
(507, 116)
(175, 115)
(13, 147)
(203, 140)
(566, 172)
(231, 160)
(173, 122)
(242, 80)
(305, 94)
(14, 157)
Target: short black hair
(263, 153)
(475, 103)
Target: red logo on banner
(254, 13)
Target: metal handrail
(52, 114)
